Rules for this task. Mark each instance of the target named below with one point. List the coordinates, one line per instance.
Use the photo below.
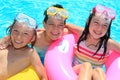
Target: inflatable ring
(58, 59)
(113, 66)
(26, 74)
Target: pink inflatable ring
(58, 59)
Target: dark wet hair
(103, 41)
(9, 30)
(45, 12)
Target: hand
(5, 42)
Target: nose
(99, 28)
(19, 36)
(56, 27)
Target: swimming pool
(78, 11)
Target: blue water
(78, 12)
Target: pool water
(78, 12)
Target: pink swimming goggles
(104, 10)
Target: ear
(33, 39)
(44, 25)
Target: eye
(95, 22)
(61, 25)
(26, 34)
(50, 24)
(105, 26)
(15, 31)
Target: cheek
(48, 31)
(12, 36)
(104, 32)
(27, 39)
(62, 31)
(91, 29)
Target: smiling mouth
(18, 42)
(98, 33)
(55, 34)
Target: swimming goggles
(58, 12)
(104, 10)
(24, 18)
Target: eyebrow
(95, 19)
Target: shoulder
(113, 45)
(34, 57)
(40, 30)
(31, 51)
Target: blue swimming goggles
(24, 18)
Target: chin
(55, 38)
(97, 37)
(16, 47)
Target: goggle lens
(52, 11)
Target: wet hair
(45, 12)
(9, 30)
(103, 40)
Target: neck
(92, 43)
(92, 40)
(47, 39)
(22, 48)
(17, 49)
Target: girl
(94, 41)
(19, 54)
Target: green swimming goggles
(24, 18)
(59, 12)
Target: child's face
(99, 26)
(21, 35)
(54, 27)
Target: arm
(5, 42)
(74, 29)
(112, 45)
(38, 66)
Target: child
(94, 41)
(19, 54)
(54, 22)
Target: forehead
(55, 20)
(101, 17)
(22, 26)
